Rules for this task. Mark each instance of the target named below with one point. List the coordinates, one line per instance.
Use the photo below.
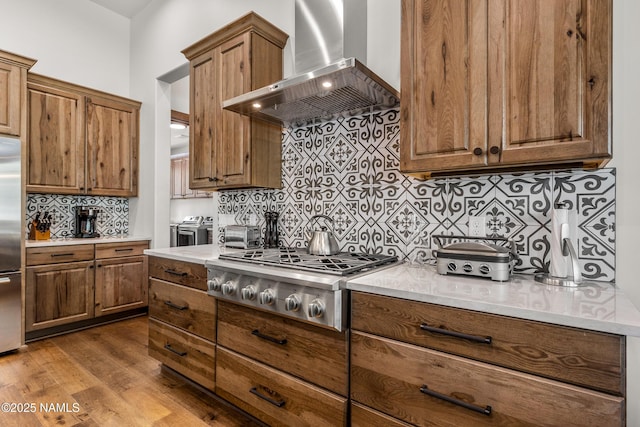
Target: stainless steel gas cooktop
(341, 264)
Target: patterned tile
(113, 217)
(348, 169)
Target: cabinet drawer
(186, 353)
(274, 397)
(577, 356)
(58, 254)
(113, 250)
(184, 273)
(186, 308)
(395, 378)
(316, 354)
(361, 416)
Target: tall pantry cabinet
(490, 84)
(227, 150)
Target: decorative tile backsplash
(348, 169)
(113, 218)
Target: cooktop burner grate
(341, 264)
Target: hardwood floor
(102, 377)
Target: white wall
(83, 43)
(626, 93)
(75, 41)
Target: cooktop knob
(214, 285)
(266, 297)
(229, 288)
(316, 308)
(292, 303)
(248, 293)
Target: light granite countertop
(198, 254)
(596, 306)
(65, 241)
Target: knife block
(42, 235)
(35, 234)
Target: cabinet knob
(494, 150)
(477, 151)
(214, 179)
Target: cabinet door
(57, 294)
(187, 192)
(444, 83)
(430, 388)
(55, 147)
(177, 179)
(549, 80)
(203, 111)
(233, 158)
(10, 81)
(112, 148)
(121, 284)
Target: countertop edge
(614, 327)
(78, 241)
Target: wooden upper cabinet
(80, 141)
(55, 147)
(234, 128)
(227, 150)
(494, 84)
(112, 147)
(13, 80)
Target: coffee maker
(86, 221)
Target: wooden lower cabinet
(316, 354)
(120, 284)
(67, 284)
(58, 294)
(280, 370)
(182, 319)
(189, 309)
(591, 359)
(428, 387)
(274, 397)
(183, 352)
(179, 272)
(430, 365)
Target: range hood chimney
(330, 78)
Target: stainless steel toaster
(475, 256)
(242, 236)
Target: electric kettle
(322, 241)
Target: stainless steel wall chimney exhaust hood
(329, 78)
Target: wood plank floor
(102, 377)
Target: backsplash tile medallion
(113, 218)
(348, 169)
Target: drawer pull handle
(278, 403)
(176, 306)
(176, 273)
(486, 410)
(124, 250)
(481, 340)
(174, 351)
(65, 254)
(257, 333)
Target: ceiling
(126, 8)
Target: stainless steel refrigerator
(10, 253)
